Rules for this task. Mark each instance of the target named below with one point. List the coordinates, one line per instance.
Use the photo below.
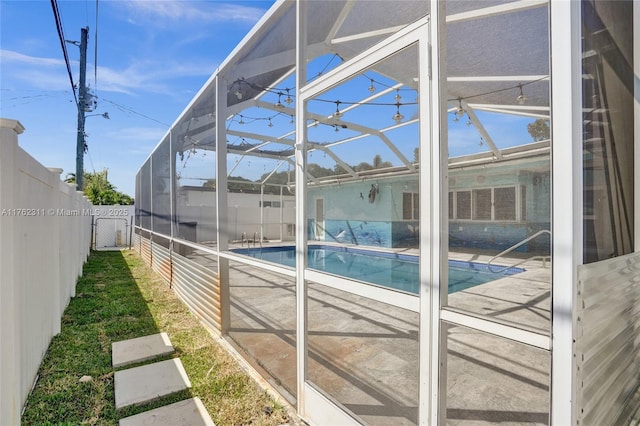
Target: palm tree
(70, 178)
(379, 164)
(99, 190)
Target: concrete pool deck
(364, 354)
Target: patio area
(364, 354)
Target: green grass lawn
(119, 298)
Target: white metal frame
(150, 183)
(636, 68)
(312, 404)
(566, 157)
(433, 116)
(172, 178)
(172, 200)
(517, 332)
(566, 154)
(301, 210)
(521, 334)
(442, 314)
(222, 210)
(406, 301)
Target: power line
(28, 99)
(90, 160)
(131, 110)
(22, 100)
(56, 15)
(95, 53)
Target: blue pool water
(392, 270)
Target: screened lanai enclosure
(412, 212)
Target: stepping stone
(190, 412)
(140, 349)
(148, 382)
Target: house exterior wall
(533, 205)
(350, 216)
(368, 214)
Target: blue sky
(152, 58)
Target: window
(523, 203)
(274, 204)
(410, 206)
(463, 207)
(504, 203)
(481, 204)
(489, 204)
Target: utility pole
(82, 105)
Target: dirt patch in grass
(120, 298)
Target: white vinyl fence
(45, 232)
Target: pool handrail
(515, 246)
(255, 236)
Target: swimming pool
(392, 270)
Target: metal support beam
(566, 221)
(301, 208)
(433, 219)
(335, 158)
(501, 9)
(344, 14)
(273, 172)
(483, 132)
(636, 67)
(222, 211)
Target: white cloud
(44, 80)
(9, 56)
(160, 12)
(147, 76)
(146, 137)
(36, 72)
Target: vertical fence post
(55, 241)
(9, 338)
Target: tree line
(538, 129)
(99, 190)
